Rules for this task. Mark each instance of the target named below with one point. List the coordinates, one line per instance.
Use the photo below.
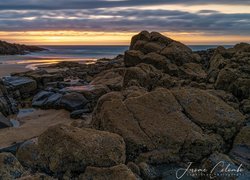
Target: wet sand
(7, 69)
(32, 125)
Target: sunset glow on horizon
(104, 22)
(111, 38)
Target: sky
(114, 22)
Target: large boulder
(159, 126)
(158, 50)
(66, 148)
(10, 168)
(120, 172)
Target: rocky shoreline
(14, 49)
(142, 115)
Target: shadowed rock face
(12, 49)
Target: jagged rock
(192, 71)
(241, 148)
(4, 122)
(210, 112)
(178, 53)
(113, 79)
(155, 128)
(143, 75)
(120, 172)
(10, 168)
(157, 60)
(159, 51)
(229, 69)
(73, 101)
(132, 58)
(66, 148)
(24, 85)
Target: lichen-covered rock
(132, 58)
(210, 112)
(120, 172)
(155, 128)
(143, 75)
(66, 148)
(10, 168)
(178, 53)
(113, 79)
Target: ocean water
(82, 54)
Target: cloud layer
(122, 15)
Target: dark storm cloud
(82, 15)
(92, 4)
(125, 20)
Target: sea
(82, 54)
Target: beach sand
(7, 69)
(32, 125)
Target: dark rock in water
(120, 172)
(4, 122)
(241, 148)
(12, 49)
(10, 168)
(53, 101)
(73, 101)
(46, 100)
(24, 85)
(40, 99)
